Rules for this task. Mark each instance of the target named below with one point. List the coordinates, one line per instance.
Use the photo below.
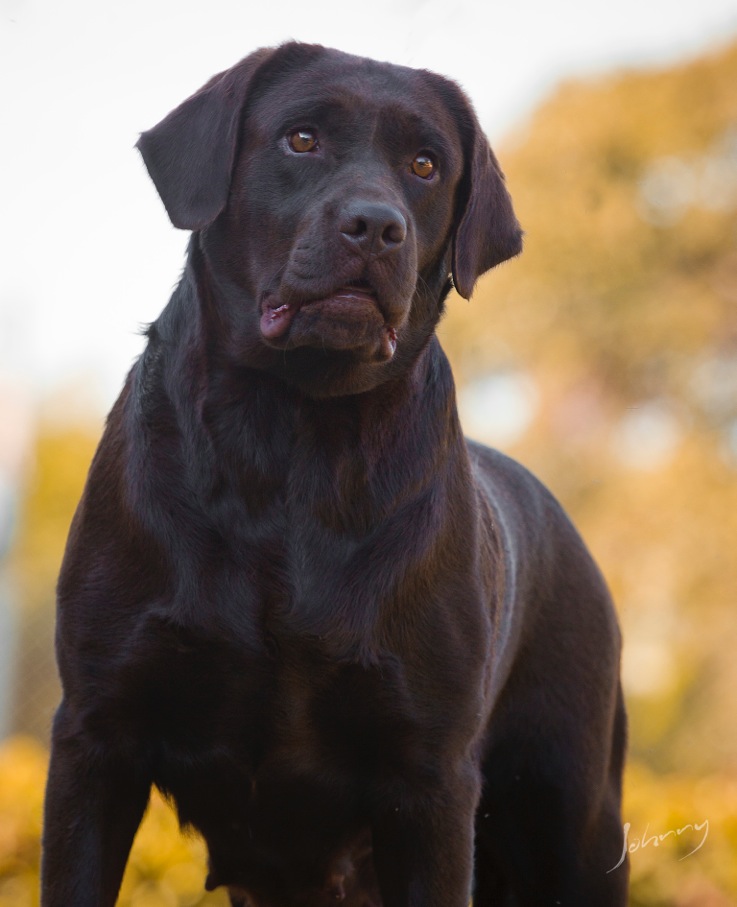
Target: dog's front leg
(423, 848)
(94, 804)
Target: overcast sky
(87, 254)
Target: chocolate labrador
(369, 661)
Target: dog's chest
(284, 702)
(299, 689)
(316, 665)
(268, 746)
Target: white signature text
(656, 840)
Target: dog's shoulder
(521, 502)
(541, 543)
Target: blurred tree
(61, 459)
(621, 313)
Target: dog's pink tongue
(275, 322)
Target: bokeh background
(605, 358)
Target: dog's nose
(373, 226)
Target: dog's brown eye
(302, 140)
(423, 166)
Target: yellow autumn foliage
(167, 868)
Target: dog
(370, 662)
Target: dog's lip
(277, 314)
(360, 290)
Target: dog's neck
(248, 428)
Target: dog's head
(333, 196)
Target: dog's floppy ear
(190, 153)
(487, 232)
